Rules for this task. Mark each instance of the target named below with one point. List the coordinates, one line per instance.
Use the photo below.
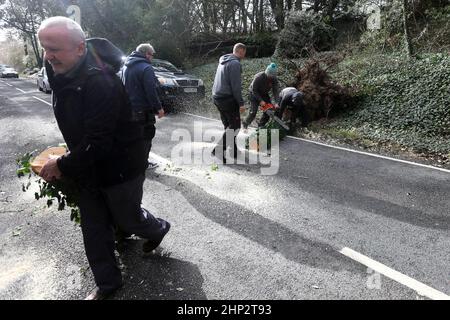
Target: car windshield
(164, 66)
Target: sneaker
(97, 294)
(150, 245)
(152, 165)
(224, 159)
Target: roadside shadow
(157, 276)
(272, 235)
(326, 188)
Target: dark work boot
(150, 245)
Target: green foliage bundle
(263, 136)
(64, 192)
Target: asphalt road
(331, 224)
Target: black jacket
(141, 83)
(262, 85)
(94, 116)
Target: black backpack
(105, 53)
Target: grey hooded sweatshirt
(228, 83)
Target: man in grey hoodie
(227, 96)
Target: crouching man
(292, 106)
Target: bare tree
(25, 16)
(407, 35)
(278, 11)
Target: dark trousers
(231, 120)
(296, 111)
(100, 211)
(145, 118)
(149, 134)
(254, 106)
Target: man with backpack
(106, 149)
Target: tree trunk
(244, 16)
(261, 15)
(407, 35)
(253, 26)
(289, 4)
(278, 11)
(206, 16)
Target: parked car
(8, 72)
(42, 81)
(4, 66)
(176, 86)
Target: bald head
(64, 43)
(239, 50)
(72, 29)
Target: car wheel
(44, 88)
(39, 87)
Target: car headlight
(200, 82)
(166, 82)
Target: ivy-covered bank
(403, 101)
(401, 105)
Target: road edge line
(420, 288)
(43, 101)
(347, 149)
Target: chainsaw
(269, 109)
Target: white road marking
(20, 90)
(409, 282)
(194, 115)
(32, 91)
(42, 101)
(346, 149)
(160, 159)
(372, 154)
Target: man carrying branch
(106, 155)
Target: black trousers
(149, 134)
(296, 111)
(145, 118)
(231, 120)
(254, 106)
(100, 212)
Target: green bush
(304, 31)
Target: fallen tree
(322, 96)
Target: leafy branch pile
(256, 139)
(64, 192)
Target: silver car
(42, 81)
(8, 72)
